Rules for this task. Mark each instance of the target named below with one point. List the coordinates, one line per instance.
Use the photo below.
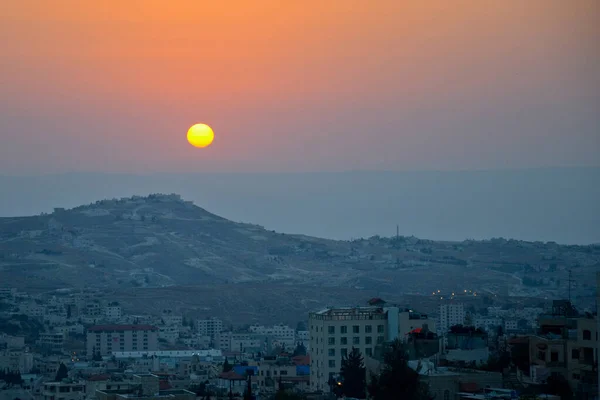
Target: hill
(162, 241)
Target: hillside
(164, 241)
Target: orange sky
(298, 85)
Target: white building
(450, 314)
(283, 334)
(169, 333)
(489, 324)
(333, 334)
(511, 325)
(52, 340)
(107, 339)
(210, 327)
(113, 313)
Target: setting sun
(200, 135)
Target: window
(344, 340)
(446, 395)
(379, 339)
(331, 363)
(368, 340)
(368, 328)
(554, 356)
(331, 341)
(331, 352)
(356, 329)
(344, 352)
(541, 355)
(283, 372)
(575, 354)
(587, 334)
(576, 376)
(380, 328)
(356, 340)
(331, 330)
(343, 329)
(369, 351)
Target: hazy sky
(298, 85)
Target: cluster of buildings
(111, 355)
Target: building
(53, 341)
(511, 325)
(566, 344)
(598, 325)
(450, 314)
(144, 387)
(409, 320)
(169, 333)
(488, 324)
(333, 334)
(210, 327)
(283, 334)
(113, 312)
(274, 372)
(66, 390)
(107, 339)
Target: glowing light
(200, 135)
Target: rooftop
(122, 328)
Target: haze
(113, 86)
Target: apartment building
(283, 334)
(53, 341)
(63, 391)
(210, 327)
(333, 334)
(488, 324)
(566, 344)
(113, 312)
(450, 314)
(107, 339)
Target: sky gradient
(113, 86)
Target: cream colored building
(107, 339)
(333, 334)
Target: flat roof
(122, 328)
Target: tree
(353, 374)
(248, 392)
(97, 356)
(62, 373)
(300, 350)
(226, 366)
(468, 319)
(558, 385)
(397, 380)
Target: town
(68, 345)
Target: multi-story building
(410, 320)
(511, 325)
(170, 333)
(106, 339)
(450, 314)
(113, 312)
(210, 327)
(63, 391)
(168, 317)
(53, 341)
(333, 334)
(489, 324)
(283, 334)
(566, 344)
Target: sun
(200, 135)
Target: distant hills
(546, 204)
(164, 241)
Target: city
(67, 345)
